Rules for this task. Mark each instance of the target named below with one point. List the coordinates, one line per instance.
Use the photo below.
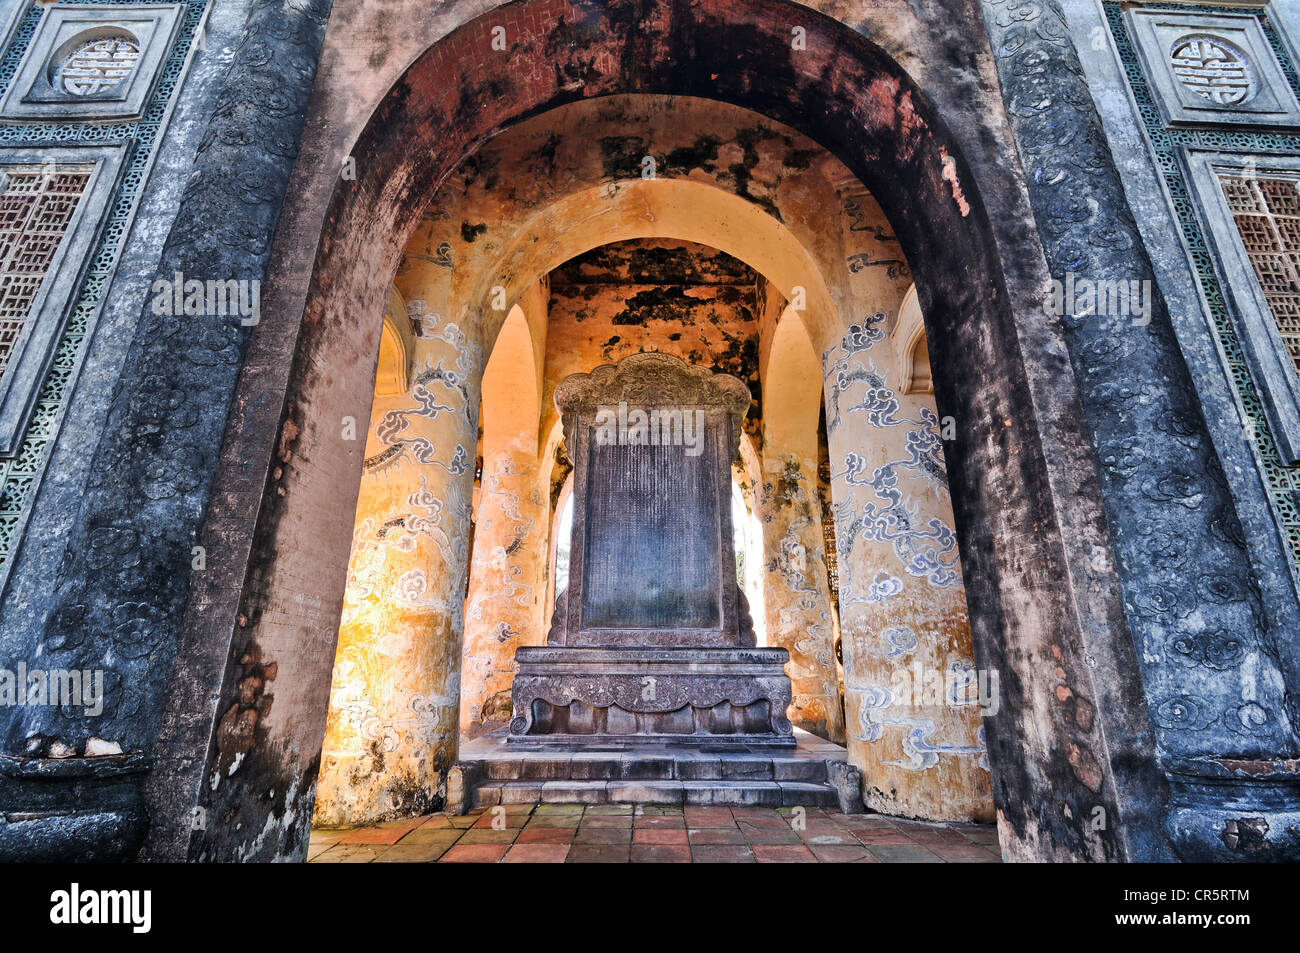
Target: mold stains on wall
(913, 697)
(678, 298)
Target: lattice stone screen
(36, 208)
(1267, 213)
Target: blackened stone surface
(652, 561)
(121, 588)
(573, 695)
(1192, 606)
(84, 808)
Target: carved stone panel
(88, 63)
(52, 206)
(652, 440)
(652, 640)
(647, 562)
(1212, 69)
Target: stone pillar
(1208, 660)
(120, 592)
(391, 733)
(912, 693)
(507, 579)
(797, 601)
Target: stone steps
(814, 773)
(717, 793)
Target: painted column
(797, 602)
(912, 694)
(507, 580)
(392, 729)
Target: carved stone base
(61, 810)
(1234, 810)
(612, 696)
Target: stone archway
(1012, 461)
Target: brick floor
(622, 833)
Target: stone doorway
(921, 159)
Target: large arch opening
(842, 92)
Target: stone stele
(652, 639)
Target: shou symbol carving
(1214, 69)
(98, 65)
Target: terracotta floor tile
(905, 854)
(350, 854)
(373, 835)
(967, 853)
(708, 817)
(843, 855)
(660, 854)
(822, 834)
(845, 820)
(722, 854)
(670, 821)
(598, 854)
(659, 836)
(717, 835)
(474, 854)
(603, 835)
(770, 836)
(500, 821)
(537, 854)
(479, 835)
(545, 835)
(415, 853)
(883, 837)
(783, 854)
(432, 835)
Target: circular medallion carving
(98, 65)
(1214, 69)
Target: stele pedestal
(651, 641)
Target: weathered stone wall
(903, 92)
